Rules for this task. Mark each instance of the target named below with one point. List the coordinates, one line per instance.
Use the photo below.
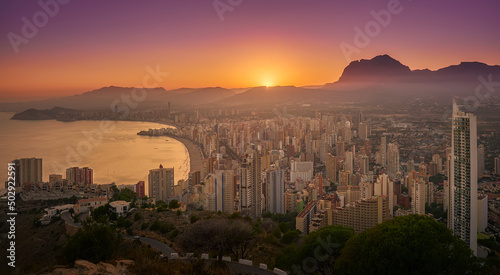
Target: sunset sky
(90, 44)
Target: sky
(70, 47)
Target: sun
(268, 84)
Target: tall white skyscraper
(276, 191)
(463, 182)
(161, 183)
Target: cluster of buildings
(330, 169)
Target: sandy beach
(196, 159)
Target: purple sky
(89, 44)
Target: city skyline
(250, 137)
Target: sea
(111, 148)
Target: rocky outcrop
(88, 268)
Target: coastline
(196, 160)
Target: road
(66, 216)
(163, 248)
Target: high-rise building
(463, 183)
(301, 170)
(28, 171)
(363, 131)
(480, 159)
(253, 175)
(364, 165)
(384, 187)
(349, 162)
(482, 213)
(140, 189)
(276, 191)
(161, 183)
(331, 167)
(383, 150)
(436, 158)
(224, 191)
(245, 175)
(361, 215)
(366, 190)
(80, 176)
(393, 160)
(418, 199)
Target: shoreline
(196, 160)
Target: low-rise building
(86, 205)
(120, 208)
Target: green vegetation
(137, 216)
(326, 242)
(174, 204)
(439, 178)
(288, 218)
(194, 218)
(94, 242)
(124, 195)
(221, 236)
(413, 244)
(436, 210)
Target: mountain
(202, 96)
(381, 79)
(34, 114)
(384, 79)
(269, 96)
(380, 68)
(385, 69)
(106, 98)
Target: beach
(197, 161)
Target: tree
(413, 244)
(100, 214)
(94, 242)
(236, 237)
(174, 204)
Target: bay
(115, 153)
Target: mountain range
(380, 79)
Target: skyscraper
(463, 183)
(480, 159)
(276, 191)
(224, 191)
(383, 150)
(28, 170)
(80, 176)
(497, 166)
(161, 183)
(246, 188)
(393, 160)
(256, 185)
